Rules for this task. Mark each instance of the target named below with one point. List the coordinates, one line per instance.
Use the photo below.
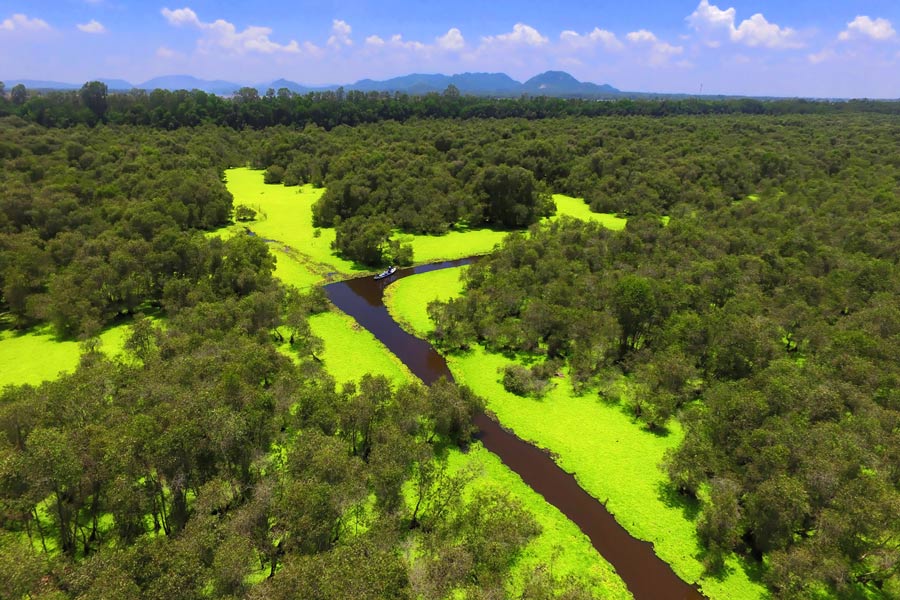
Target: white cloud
(820, 57)
(708, 16)
(397, 54)
(521, 34)
(877, 29)
(755, 31)
(20, 22)
(167, 53)
(660, 51)
(221, 34)
(397, 41)
(641, 36)
(598, 36)
(92, 26)
(340, 34)
(181, 17)
(312, 50)
(452, 40)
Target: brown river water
(645, 574)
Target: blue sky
(826, 48)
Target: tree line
(166, 109)
(96, 224)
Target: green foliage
(243, 213)
(82, 243)
(94, 96)
(476, 544)
(274, 174)
(522, 381)
(764, 325)
(363, 239)
(764, 317)
(18, 94)
(400, 254)
(510, 197)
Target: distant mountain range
(551, 83)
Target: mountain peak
(553, 78)
(560, 83)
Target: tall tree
(93, 95)
(18, 94)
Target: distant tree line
(247, 108)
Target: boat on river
(386, 273)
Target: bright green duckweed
(579, 209)
(352, 351)
(37, 355)
(407, 299)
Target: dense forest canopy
(753, 295)
(207, 456)
(768, 324)
(98, 222)
(120, 193)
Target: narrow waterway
(647, 577)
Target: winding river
(645, 574)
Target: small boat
(386, 273)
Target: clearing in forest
(304, 254)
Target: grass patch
(37, 355)
(407, 299)
(460, 244)
(284, 214)
(579, 209)
(352, 351)
(561, 545)
(293, 272)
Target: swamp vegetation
(751, 301)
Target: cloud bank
(708, 19)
